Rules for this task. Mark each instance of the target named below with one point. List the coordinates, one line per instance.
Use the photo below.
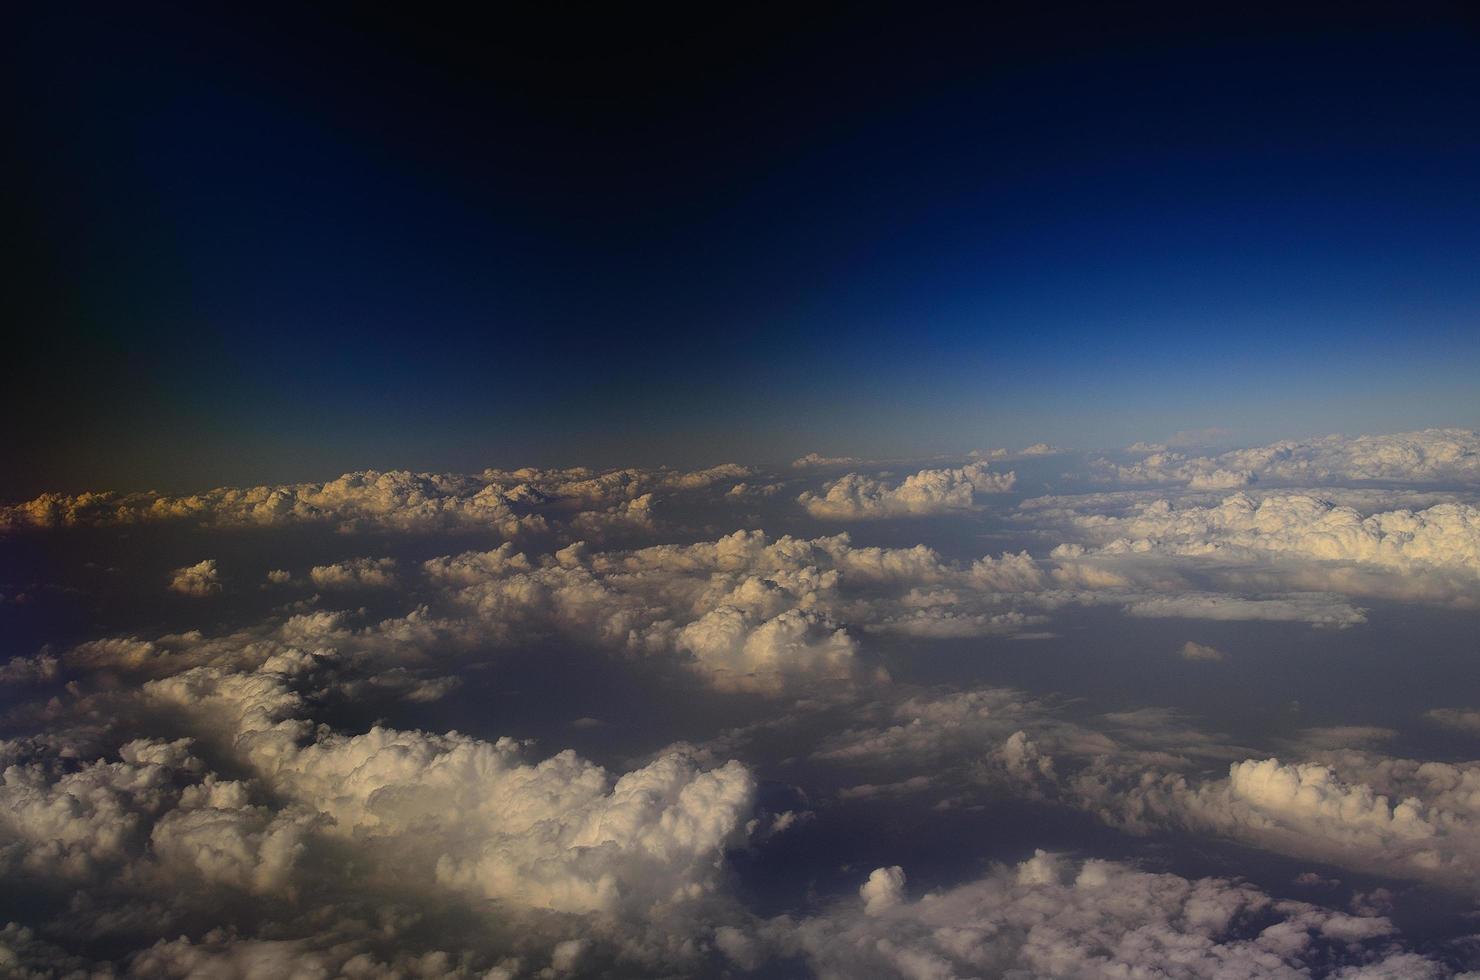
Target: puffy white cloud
(39, 669)
(749, 611)
(857, 496)
(1429, 456)
(1299, 540)
(738, 653)
(883, 890)
(1149, 770)
(467, 814)
(357, 573)
(1394, 816)
(1051, 916)
(200, 579)
(509, 502)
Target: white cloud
(200, 579)
(1374, 813)
(509, 502)
(750, 612)
(1300, 541)
(856, 496)
(472, 815)
(1052, 916)
(357, 573)
(1429, 456)
(1148, 770)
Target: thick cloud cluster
(200, 579)
(1307, 542)
(246, 765)
(1146, 771)
(857, 496)
(421, 813)
(1396, 816)
(1052, 916)
(510, 502)
(1430, 456)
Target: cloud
(1297, 539)
(748, 611)
(1148, 771)
(1315, 608)
(40, 669)
(1053, 916)
(1429, 456)
(191, 798)
(200, 579)
(357, 573)
(812, 460)
(1458, 719)
(857, 497)
(1401, 817)
(1192, 650)
(346, 816)
(511, 503)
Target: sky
(834, 495)
(280, 247)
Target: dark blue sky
(261, 247)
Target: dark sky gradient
(258, 247)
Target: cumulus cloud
(1150, 770)
(857, 496)
(1431, 554)
(472, 815)
(1052, 916)
(229, 793)
(749, 612)
(200, 579)
(509, 502)
(1429, 456)
(444, 814)
(357, 573)
(1395, 816)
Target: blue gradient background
(256, 247)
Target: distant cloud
(1054, 916)
(859, 497)
(200, 579)
(1318, 609)
(812, 460)
(1429, 456)
(357, 573)
(1458, 719)
(510, 502)
(1192, 650)
(1301, 539)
